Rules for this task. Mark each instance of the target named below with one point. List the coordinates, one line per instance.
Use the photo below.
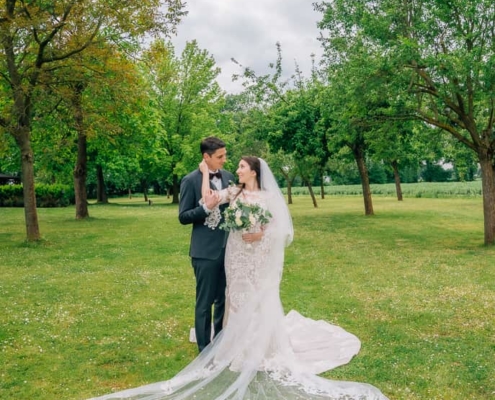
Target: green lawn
(107, 303)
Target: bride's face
(245, 173)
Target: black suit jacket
(205, 242)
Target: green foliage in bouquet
(243, 216)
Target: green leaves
(244, 216)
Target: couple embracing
(257, 352)
(205, 194)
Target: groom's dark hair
(211, 144)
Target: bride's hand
(212, 199)
(252, 237)
(203, 167)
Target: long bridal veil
(261, 354)
(282, 221)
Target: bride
(260, 353)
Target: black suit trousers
(210, 293)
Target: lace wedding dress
(261, 354)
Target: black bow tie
(215, 175)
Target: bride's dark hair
(254, 165)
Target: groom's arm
(190, 211)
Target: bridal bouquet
(243, 216)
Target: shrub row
(421, 189)
(46, 196)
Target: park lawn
(107, 303)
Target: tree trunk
(310, 188)
(101, 192)
(27, 175)
(289, 185)
(488, 186)
(289, 191)
(20, 121)
(80, 173)
(129, 193)
(81, 168)
(322, 186)
(398, 188)
(144, 186)
(365, 180)
(175, 189)
(157, 189)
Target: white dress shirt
(217, 182)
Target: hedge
(46, 195)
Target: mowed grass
(107, 303)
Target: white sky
(248, 31)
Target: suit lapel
(225, 181)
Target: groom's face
(216, 160)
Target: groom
(207, 249)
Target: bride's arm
(211, 198)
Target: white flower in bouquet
(244, 216)
(252, 219)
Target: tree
(295, 122)
(349, 103)
(447, 51)
(285, 164)
(37, 37)
(295, 130)
(188, 100)
(245, 123)
(113, 100)
(392, 141)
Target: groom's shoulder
(229, 174)
(190, 180)
(191, 175)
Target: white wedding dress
(261, 354)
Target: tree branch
(448, 128)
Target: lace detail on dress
(213, 218)
(245, 262)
